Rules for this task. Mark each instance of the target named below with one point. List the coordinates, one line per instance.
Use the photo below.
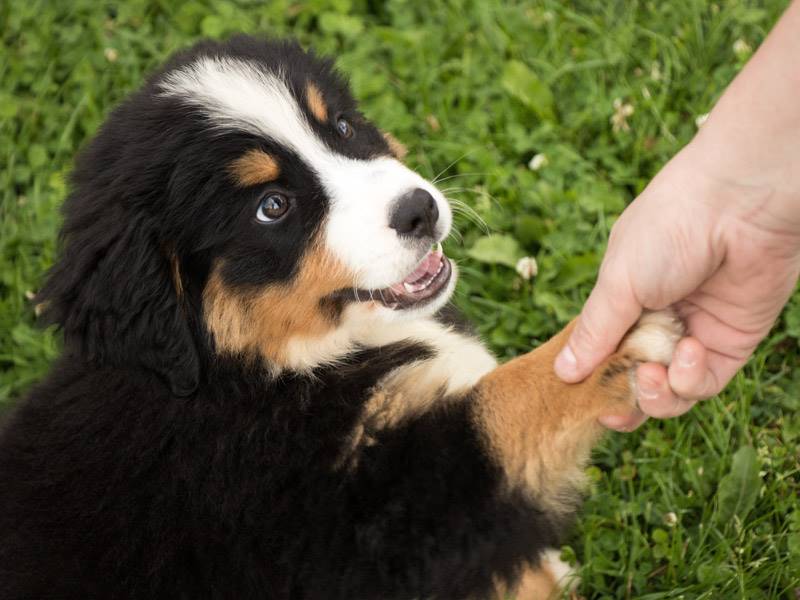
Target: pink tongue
(428, 266)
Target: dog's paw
(653, 338)
(549, 580)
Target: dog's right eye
(272, 207)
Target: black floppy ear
(114, 295)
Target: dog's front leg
(541, 430)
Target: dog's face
(314, 226)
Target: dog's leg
(541, 430)
(547, 581)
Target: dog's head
(240, 202)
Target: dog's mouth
(419, 287)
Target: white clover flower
(111, 54)
(700, 120)
(619, 120)
(537, 162)
(527, 267)
(655, 72)
(741, 48)
(671, 519)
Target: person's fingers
(688, 374)
(623, 423)
(655, 397)
(606, 317)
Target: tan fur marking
(548, 580)
(398, 150)
(177, 281)
(406, 392)
(254, 167)
(263, 322)
(458, 363)
(534, 584)
(316, 103)
(537, 584)
(542, 429)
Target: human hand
(725, 254)
(716, 234)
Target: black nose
(415, 214)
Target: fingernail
(566, 363)
(621, 423)
(686, 358)
(616, 422)
(648, 389)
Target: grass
(705, 506)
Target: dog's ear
(115, 294)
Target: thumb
(605, 319)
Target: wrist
(762, 193)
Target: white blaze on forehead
(237, 94)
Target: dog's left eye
(272, 207)
(344, 128)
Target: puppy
(256, 397)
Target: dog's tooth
(413, 288)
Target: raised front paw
(653, 338)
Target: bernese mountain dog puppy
(257, 396)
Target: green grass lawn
(705, 506)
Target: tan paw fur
(654, 337)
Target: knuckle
(694, 386)
(665, 407)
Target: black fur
(114, 488)
(147, 466)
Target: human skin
(716, 234)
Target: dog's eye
(272, 207)
(344, 129)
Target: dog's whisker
(443, 171)
(470, 213)
(482, 193)
(456, 175)
(456, 235)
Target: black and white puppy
(255, 399)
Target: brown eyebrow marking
(316, 104)
(253, 167)
(396, 147)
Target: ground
(541, 120)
